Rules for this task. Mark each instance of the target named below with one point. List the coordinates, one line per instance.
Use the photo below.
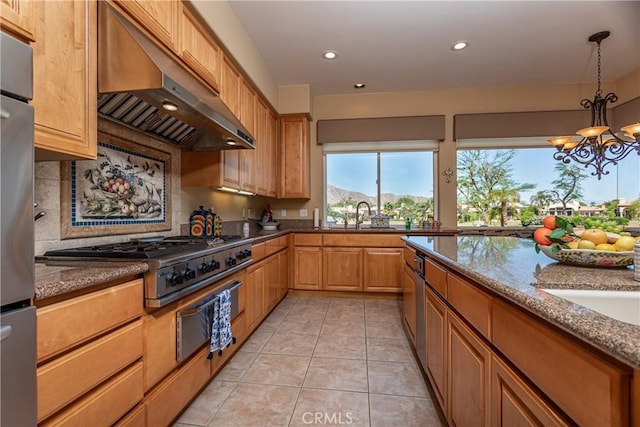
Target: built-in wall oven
(17, 282)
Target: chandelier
(599, 146)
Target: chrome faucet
(358, 222)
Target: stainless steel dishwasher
(420, 284)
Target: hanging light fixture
(599, 146)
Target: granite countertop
(511, 268)
(55, 278)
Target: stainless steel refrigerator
(17, 281)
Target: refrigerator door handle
(5, 332)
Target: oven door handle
(195, 310)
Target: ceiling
(405, 45)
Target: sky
(411, 173)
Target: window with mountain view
(396, 184)
(512, 187)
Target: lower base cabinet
(435, 315)
(409, 301)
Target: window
(507, 186)
(398, 184)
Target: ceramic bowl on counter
(590, 258)
(269, 226)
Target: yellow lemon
(586, 244)
(605, 247)
(594, 235)
(624, 243)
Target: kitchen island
(492, 329)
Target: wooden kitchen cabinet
(342, 269)
(263, 155)
(211, 169)
(255, 290)
(409, 300)
(383, 269)
(271, 167)
(248, 119)
(294, 166)
(65, 97)
(435, 316)
(198, 49)
(272, 282)
(307, 267)
(468, 376)
(514, 403)
(284, 274)
(16, 16)
(158, 17)
(230, 79)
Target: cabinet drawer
(258, 251)
(307, 239)
(283, 241)
(105, 405)
(68, 377)
(556, 365)
(358, 239)
(473, 304)
(273, 246)
(68, 323)
(409, 255)
(135, 418)
(436, 276)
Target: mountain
(336, 195)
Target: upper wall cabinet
(16, 16)
(230, 80)
(198, 49)
(64, 84)
(293, 164)
(159, 17)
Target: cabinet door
(201, 168)
(383, 269)
(409, 301)
(230, 85)
(248, 119)
(294, 157)
(272, 282)
(284, 273)
(65, 96)
(468, 375)
(231, 169)
(272, 165)
(159, 17)
(514, 403)
(198, 49)
(307, 265)
(435, 315)
(262, 154)
(254, 291)
(16, 16)
(342, 269)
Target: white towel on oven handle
(221, 323)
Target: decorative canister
(636, 261)
(198, 222)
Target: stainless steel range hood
(143, 87)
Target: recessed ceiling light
(460, 45)
(358, 85)
(330, 54)
(169, 106)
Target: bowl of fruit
(591, 247)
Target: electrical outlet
(283, 212)
(303, 213)
(244, 212)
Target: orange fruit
(573, 244)
(541, 236)
(549, 222)
(594, 235)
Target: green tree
(485, 182)
(387, 208)
(541, 200)
(568, 186)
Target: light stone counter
(510, 268)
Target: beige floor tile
(257, 340)
(294, 325)
(342, 327)
(341, 347)
(401, 379)
(403, 411)
(347, 302)
(382, 303)
(384, 316)
(319, 301)
(203, 409)
(331, 408)
(345, 313)
(292, 344)
(337, 374)
(277, 369)
(391, 330)
(389, 350)
(273, 321)
(256, 405)
(237, 366)
(308, 312)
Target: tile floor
(320, 361)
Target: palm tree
(506, 196)
(541, 199)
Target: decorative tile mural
(125, 190)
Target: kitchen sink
(620, 305)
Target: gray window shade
(626, 114)
(517, 125)
(416, 128)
